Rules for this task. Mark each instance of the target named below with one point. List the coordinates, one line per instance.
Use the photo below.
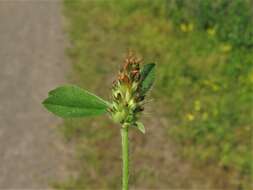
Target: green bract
(147, 77)
(72, 101)
(140, 126)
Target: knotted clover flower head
(128, 94)
(128, 91)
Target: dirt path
(31, 63)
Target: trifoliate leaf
(147, 77)
(73, 101)
(140, 126)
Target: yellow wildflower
(251, 77)
(190, 117)
(186, 27)
(190, 27)
(183, 27)
(226, 48)
(197, 105)
(211, 31)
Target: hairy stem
(125, 157)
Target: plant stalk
(125, 157)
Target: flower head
(128, 91)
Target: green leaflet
(140, 126)
(147, 77)
(72, 101)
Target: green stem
(125, 158)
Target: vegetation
(205, 56)
(129, 92)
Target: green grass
(204, 85)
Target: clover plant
(128, 98)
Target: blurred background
(199, 124)
(199, 121)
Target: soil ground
(32, 62)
